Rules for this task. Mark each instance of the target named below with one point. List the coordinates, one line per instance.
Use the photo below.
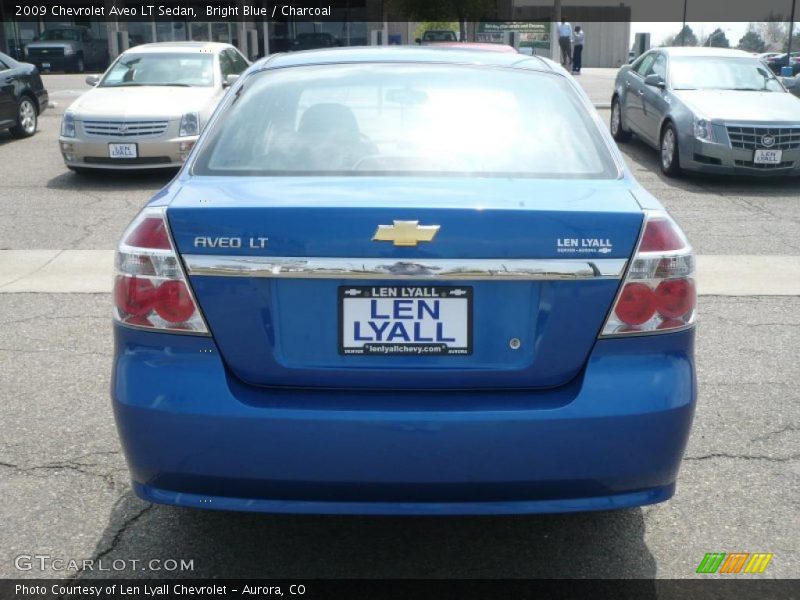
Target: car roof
(703, 51)
(407, 54)
(162, 47)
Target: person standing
(565, 43)
(577, 52)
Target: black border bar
(377, 11)
(739, 588)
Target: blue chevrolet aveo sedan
(404, 281)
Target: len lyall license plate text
(122, 151)
(767, 157)
(405, 320)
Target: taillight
(150, 288)
(659, 292)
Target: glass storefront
(349, 29)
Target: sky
(659, 31)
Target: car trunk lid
(532, 268)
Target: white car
(147, 110)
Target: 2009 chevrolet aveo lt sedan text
(404, 280)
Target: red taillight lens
(658, 293)
(174, 304)
(150, 289)
(675, 297)
(636, 304)
(661, 235)
(134, 295)
(151, 232)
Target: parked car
(794, 85)
(149, 107)
(709, 109)
(23, 97)
(434, 36)
(67, 49)
(765, 56)
(776, 63)
(349, 302)
(312, 41)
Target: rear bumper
(195, 436)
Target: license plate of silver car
(767, 157)
(122, 151)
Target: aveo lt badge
(405, 233)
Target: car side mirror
(418, 41)
(92, 80)
(654, 80)
(230, 80)
(789, 82)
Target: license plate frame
(453, 309)
(118, 151)
(45, 65)
(767, 156)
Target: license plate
(405, 320)
(122, 151)
(45, 65)
(767, 157)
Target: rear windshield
(403, 119)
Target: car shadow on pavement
(641, 157)
(248, 545)
(105, 180)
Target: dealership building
(525, 23)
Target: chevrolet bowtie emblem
(405, 233)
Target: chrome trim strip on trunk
(491, 269)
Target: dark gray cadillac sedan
(709, 109)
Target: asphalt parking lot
(65, 485)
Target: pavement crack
(46, 317)
(36, 270)
(769, 434)
(715, 455)
(117, 538)
(74, 465)
(49, 351)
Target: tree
(773, 31)
(795, 43)
(752, 42)
(717, 39)
(685, 37)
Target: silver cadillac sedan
(709, 109)
(149, 107)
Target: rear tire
(670, 157)
(617, 131)
(27, 118)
